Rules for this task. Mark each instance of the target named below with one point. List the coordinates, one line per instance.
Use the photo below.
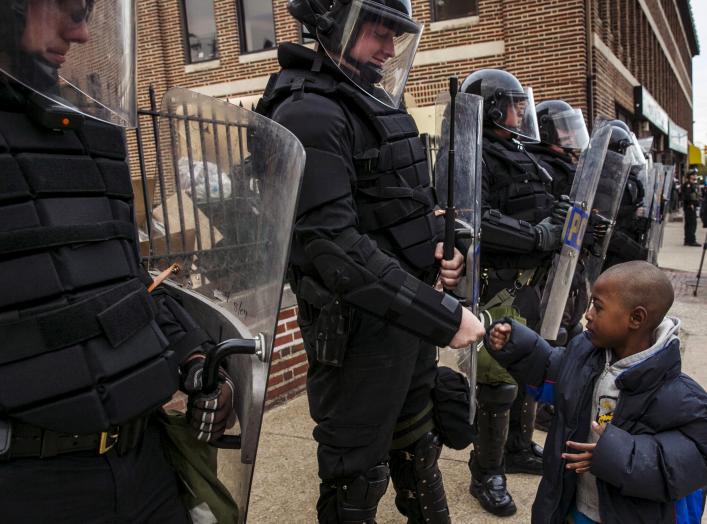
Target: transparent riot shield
(656, 212)
(666, 197)
(220, 215)
(606, 204)
(582, 194)
(467, 202)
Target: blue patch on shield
(578, 219)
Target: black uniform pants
(387, 376)
(138, 487)
(690, 223)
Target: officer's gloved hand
(598, 228)
(548, 235)
(209, 415)
(560, 209)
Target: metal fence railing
(197, 194)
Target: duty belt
(28, 441)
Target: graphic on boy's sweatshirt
(605, 413)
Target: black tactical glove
(598, 227)
(560, 209)
(548, 235)
(209, 415)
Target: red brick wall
(623, 26)
(288, 371)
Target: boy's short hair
(643, 284)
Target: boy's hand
(499, 336)
(582, 462)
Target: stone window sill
(258, 56)
(454, 23)
(202, 66)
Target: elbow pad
(504, 233)
(395, 296)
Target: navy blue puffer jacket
(650, 463)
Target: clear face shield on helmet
(373, 45)
(77, 53)
(570, 129)
(515, 112)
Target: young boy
(628, 443)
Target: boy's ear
(638, 317)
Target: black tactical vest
(392, 193)
(518, 187)
(558, 165)
(81, 350)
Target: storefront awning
(697, 157)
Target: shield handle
(214, 358)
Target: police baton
(699, 271)
(450, 211)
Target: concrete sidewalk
(286, 483)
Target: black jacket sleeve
(327, 212)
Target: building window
(257, 26)
(450, 9)
(200, 30)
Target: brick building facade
(628, 59)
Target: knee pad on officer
(498, 397)
(357, 500)
(420, 494)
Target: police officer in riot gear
(563, 133)
(690, 202)
(88, 355)
(628, 239)
(365, 256)
(519, 237)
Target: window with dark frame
(199, 30)
(450, 9)
(257, 25)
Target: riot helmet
(620, 140)
(507, 104)
(373, 42)
(79, 54)
(562, 126)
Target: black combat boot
(488, 482)
(522, 454)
